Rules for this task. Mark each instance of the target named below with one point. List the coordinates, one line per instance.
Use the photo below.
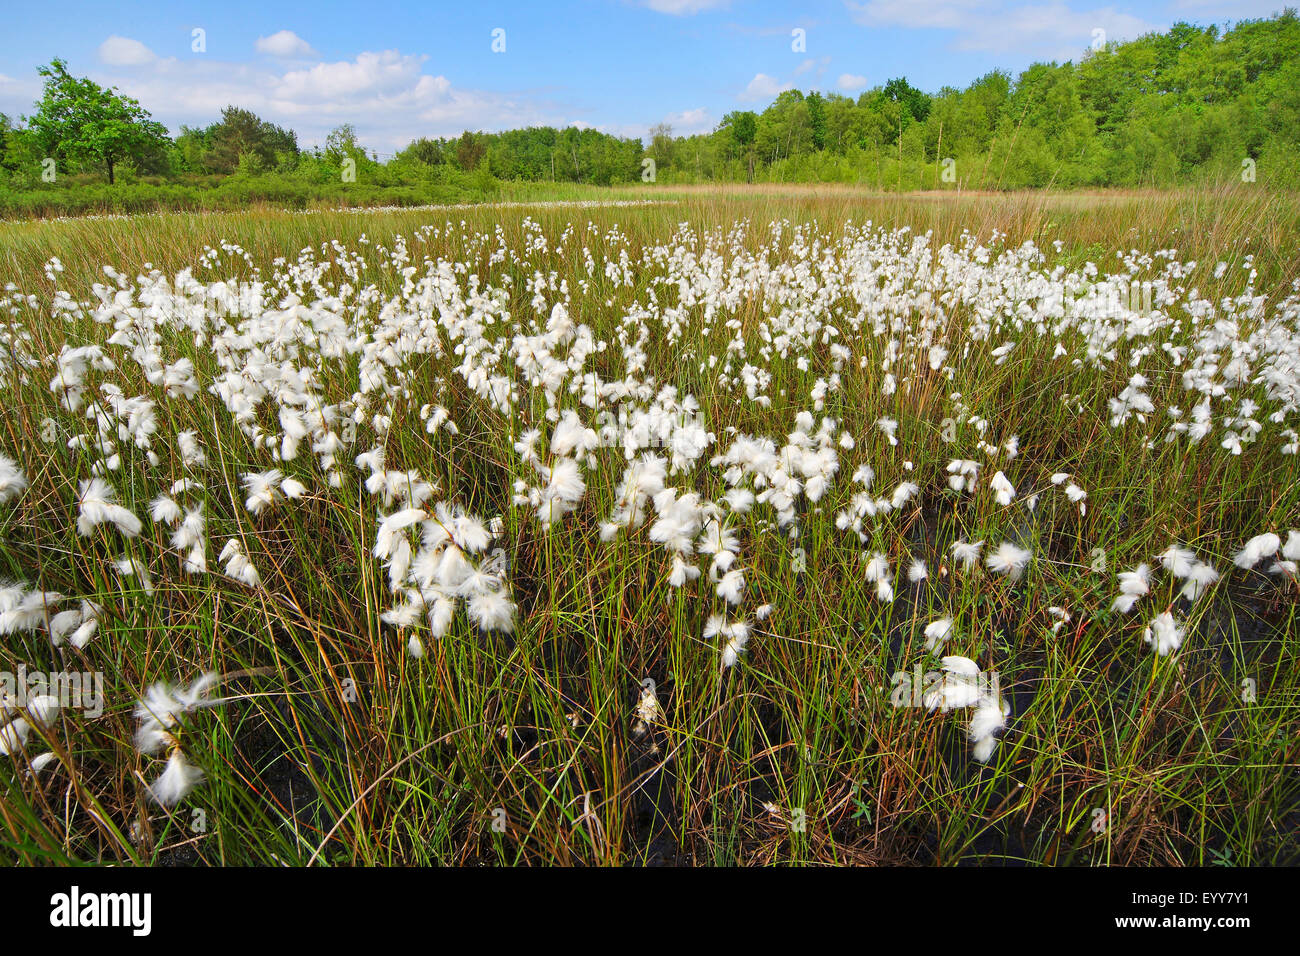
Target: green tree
(743, 127)
(817, 120)
(241, 140)
(661, 145)
(341, 143)
(7, 133)
(914, 102)
(79, 120)
(469, 151)
(423, 150)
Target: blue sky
(401, 70)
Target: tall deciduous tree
(469, 151)
(79, 120)
(817, 119)
(744, 129)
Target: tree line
(1163, 109)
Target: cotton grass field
(713, 527)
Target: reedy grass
(337, 748)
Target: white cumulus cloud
(284, 43)
(384, 73)
(123, 51)
(851, 82)
(688, 122)
(763, 87)
(386, 95)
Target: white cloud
(1230, 9)
(689, 122)
(1053, 29)
(17, 96)
(763, 87)
(386, 95)
(851, 82)
(123, 51)
(683, 8)
(286, 44)
(818, 64)
(386, 73)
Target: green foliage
(341, 144)
(469, 151)
(424, 151)
(1180, 107)
(1193, 105)
(817, 120)
(240, 142)
(80, 121)
(285, 191)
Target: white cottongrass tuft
(13, 736)
(732, 586)
(1133, 585)
(1009, 559)
(176, 782)
(237, 564)
(293, 488)
(966, 554)
(1177, 561)
(1077, 496)
(937, 633)
(12, 479)
(23, 610)
(387, 536)
(491, 611)
(961, 686)
(989, 718)
(1256, 550)
(99, 506)
(134, 569)
(263, 490)
(877, 567)
(1163, 634)
(162, 707)
(1199, 578)
(1002, 489)
(735, 636)
(1291, 550)
(164, 510)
